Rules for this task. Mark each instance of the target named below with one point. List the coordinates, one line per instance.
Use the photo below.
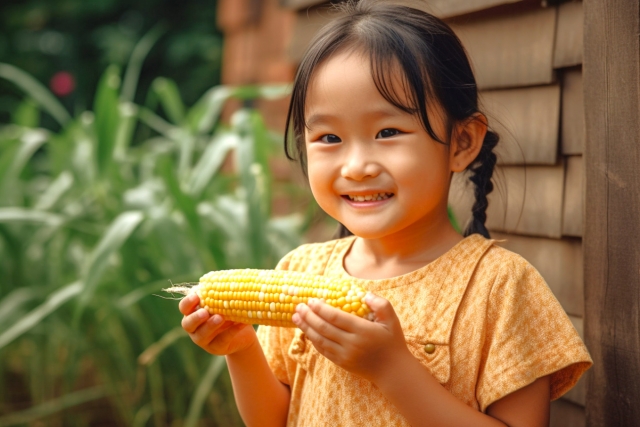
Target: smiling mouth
(368, 197)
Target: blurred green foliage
(45, 37)
(98, 212)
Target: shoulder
(314, 257)
(500, 267)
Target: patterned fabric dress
(481, 319)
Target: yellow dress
(495, 325)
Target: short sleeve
(528, 336)
(275, 341)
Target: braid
(481, 171)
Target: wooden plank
(573, 209)
(307, 24)
(440, 8)
(568, 48)
(612, 227)
(527, 120)
(527, 200)
(567, 414)
(450, 8)
(300, 4)
(572, 135)
(510, 50)
(559, 261)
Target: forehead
(346, 77)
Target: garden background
(116, 180)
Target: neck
(403, 251)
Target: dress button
(429, 348)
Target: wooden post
(612, 221)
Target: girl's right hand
(212, 333)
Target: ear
(466, 142)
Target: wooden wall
(528, 63)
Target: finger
(320, 325)
(323, 344)
(208, 331)
(381, 308)
(192, 321)
(338, 318)
(189, 303)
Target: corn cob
(270, 297)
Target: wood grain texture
(566, 414)
(527, 120)
(572, 135)
(559, 261)
(527, 200)
(308, 23)
(611, 72)
(568, 48)
(300, 4)
(510, 50)
(573, 207)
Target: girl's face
(372, 166)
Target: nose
(360, 163)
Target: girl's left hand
(360, 346)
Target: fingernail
(295, 318)
(368, 297)
(202, 313)
(300, 307)
(217, 319)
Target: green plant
(95, 218)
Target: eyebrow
(381, 113)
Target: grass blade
(29, 215)
(169, 96)
(34, 317)
(54, 191)
(203, 390)
(210, 161)
(136, 60)
(115, 236)
(37, 91)
(56, 405)
(12, 302)
(107, 116)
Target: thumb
(382, 309)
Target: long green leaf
(53, 406)
(34, 317)
(107, 116)
(169, 96)
(37, 91)
(204, 115)
(14, 301)
(138, 55)
(118, 232)
(29, 215)
(54, 191)
(204, 388)
(210, 161)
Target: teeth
(369, 197)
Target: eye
(330, 138)
(388, 133)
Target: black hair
(434, 65)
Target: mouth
(368, 197)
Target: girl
(384, 110)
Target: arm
(378, 352)
(261, 398)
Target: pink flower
(62, 83)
